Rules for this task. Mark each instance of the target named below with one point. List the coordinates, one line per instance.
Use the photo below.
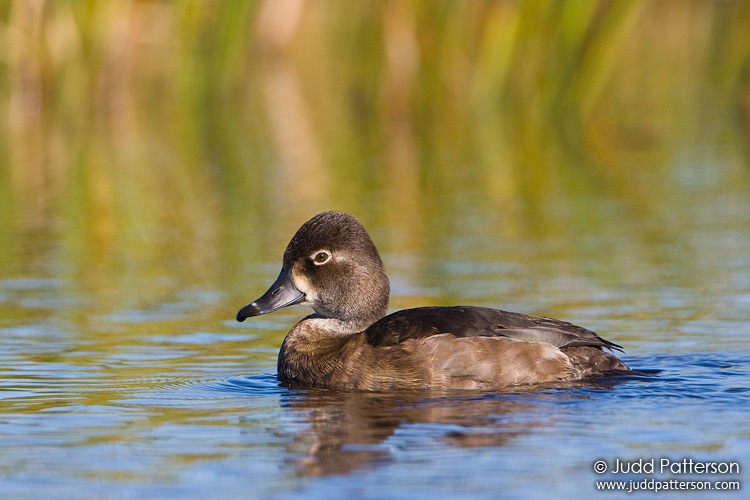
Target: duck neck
(322, 327)
(362, 304)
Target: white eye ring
(321, 257)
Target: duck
(350, 342)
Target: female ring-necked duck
(332, 265)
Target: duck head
(331, 265)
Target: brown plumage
(332, 265)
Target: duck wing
(472, 321)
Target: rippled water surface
(584, 160)
(165, 395)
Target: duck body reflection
(345, 431)
(332, 265)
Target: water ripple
(183, 388)
(255, 385)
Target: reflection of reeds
(203, 116)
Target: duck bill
(281, 294)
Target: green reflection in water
(583, 160)
(153, 150)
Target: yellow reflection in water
(190, 139)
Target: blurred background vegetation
(161, 138)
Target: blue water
(244, 436)
(144, 386)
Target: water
(243, 436)
(582, 160)
(152, 390)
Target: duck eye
(321, 258)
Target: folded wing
(471, 321)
